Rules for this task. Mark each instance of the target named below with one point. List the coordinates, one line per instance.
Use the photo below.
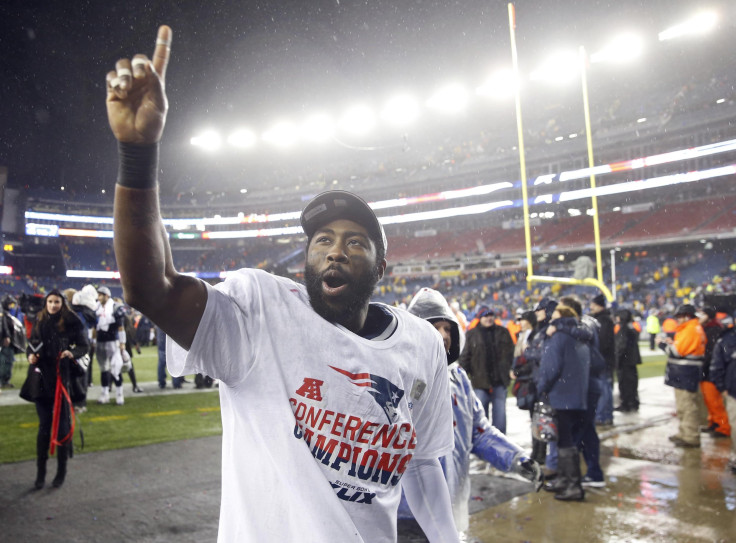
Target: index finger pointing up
(162, 51)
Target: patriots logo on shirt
(386, 394)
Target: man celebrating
(321, 419)
(487, 357)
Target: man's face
(595, 308)
(341, 270)
(541, 314)
(445, 330)
(486, 321)
(102, 298)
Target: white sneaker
(119, 399)
(104, 396)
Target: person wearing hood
(472, 430)
(627, 358)
(57, 340)
(562, 381)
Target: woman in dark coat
(58, 338)
(562, 380)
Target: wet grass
(146, 367)
(141, 421)
(652, 366)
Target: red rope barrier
(60, 393)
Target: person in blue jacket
(473, 431)
(586, 330)
(562, 382)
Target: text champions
(355, 447)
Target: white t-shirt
(318, 422)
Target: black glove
(529, 470)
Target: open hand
(136, 95)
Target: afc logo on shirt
(311, 389)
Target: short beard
(348, 306)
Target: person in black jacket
(533, 356)
(487, 358)
(607, 347)
(627, 358)
(57, 340)
(723, 374)
(718, 424)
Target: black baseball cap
(685, 310)
(339, 204)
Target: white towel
(105, 315)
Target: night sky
(250, 61)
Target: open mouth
(333, 283)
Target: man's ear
(381, 268)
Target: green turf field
(144, 419)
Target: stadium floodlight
(557, 69)
(242, 138)
(318, 128)
(641, 120)
(720, 100)
(209, 140)
(574, 212)
(400, 110)
(358, 120)
(281, 134)
(623, 48)
(700, 23)
(500, 84)
(452, 98)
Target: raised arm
(136, 110)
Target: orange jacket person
(684, 371)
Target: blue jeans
(550, 462)
(161, 368)
(604, 410)
(7, 358)
(586, 437)
(497, 401)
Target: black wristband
(138, 168)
